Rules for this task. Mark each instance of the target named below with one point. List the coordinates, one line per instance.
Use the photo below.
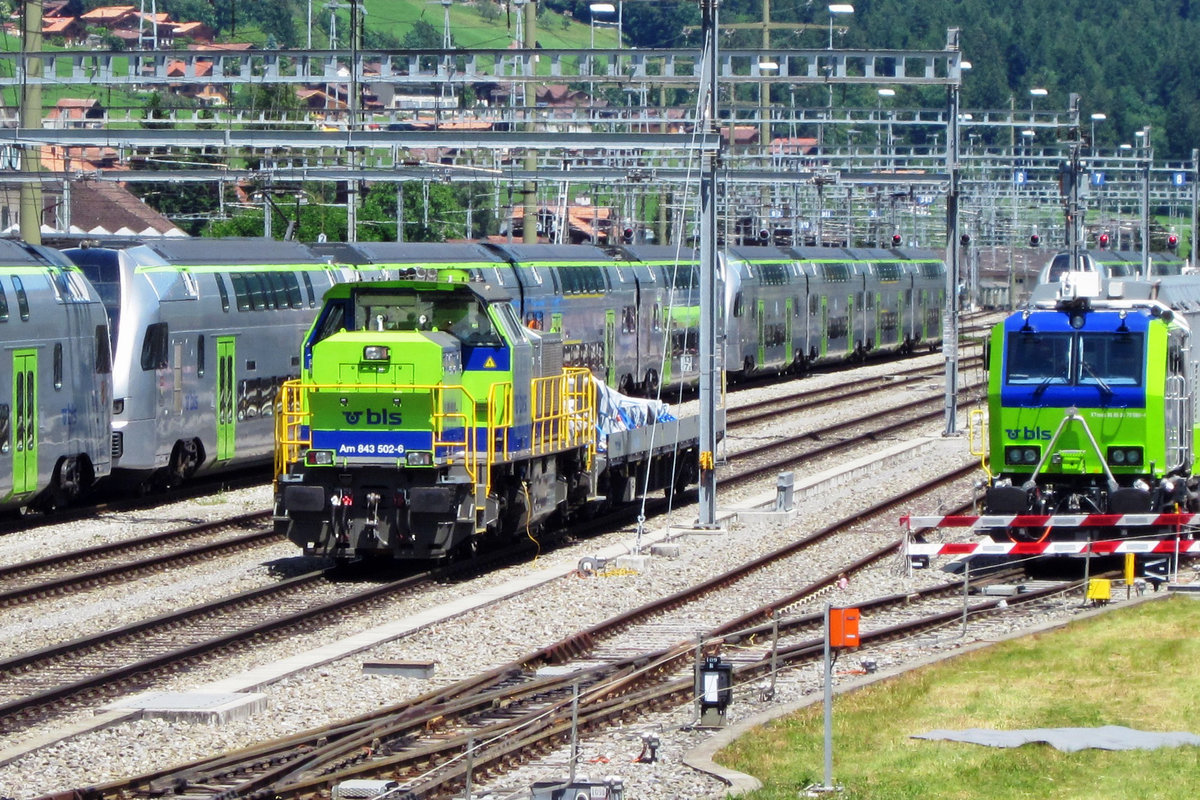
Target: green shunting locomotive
(428, 421)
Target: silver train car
(204, 332)
(790, 309)
(55, 380)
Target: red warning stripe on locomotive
(1050, 521)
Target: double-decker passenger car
(55, 379)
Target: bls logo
(1028, 434)
(380, 417)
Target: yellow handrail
(563, 416)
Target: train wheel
(185, 458)
(70, 478)
(650, 385)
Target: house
(76, 112)
(67, 28)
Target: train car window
(279, 291)
(241, 291)
(933, 269)
(835, 272)
(814, 304)
(58, 365)
(656, 322)
(308, 287)
(774, 274)
(5, 427)
(154, 347)
(103, 351)
(888, 272)
(797, 307)
(737, 304)
(3, 304)
(200, 354)
(628, 319)
(22, 299)
(258, 292)
(221, 290)
(295, 300)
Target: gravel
(465, 645)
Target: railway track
(79, 570)
(522, 703)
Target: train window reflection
(1036, 358)
(1112, 360)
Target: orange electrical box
(843, 627)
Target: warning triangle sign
(490, 363)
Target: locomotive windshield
(1076, 359)
(460, 315)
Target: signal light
(1104, 241)
(965, 239)
(896, 239)
(1034, 240)
(627, 235)
(1172, 242)
(764, 235)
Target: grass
(1133, 667)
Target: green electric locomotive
(428, 420)
(1092, 408)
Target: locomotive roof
(406, 252)
(198, 251)
(485, 291)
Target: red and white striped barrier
(1050, 521)
(1104, 547)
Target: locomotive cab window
(1112, 360)
(1036, 358)
(3, 304)
(154, 347)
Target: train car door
(761, 312)
(610, 347)
(789, 350)
(226, 411)
(25, 429)
(824, 325)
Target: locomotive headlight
(1021, 455)
(318, 458)
(1125, 456)
(420, 459)
(376, 352)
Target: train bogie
(55, 380)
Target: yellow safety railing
(291, 420)
(563, 416)
(977, 421)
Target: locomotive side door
(25, 427)
(226, 413)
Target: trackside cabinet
(843, 627)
